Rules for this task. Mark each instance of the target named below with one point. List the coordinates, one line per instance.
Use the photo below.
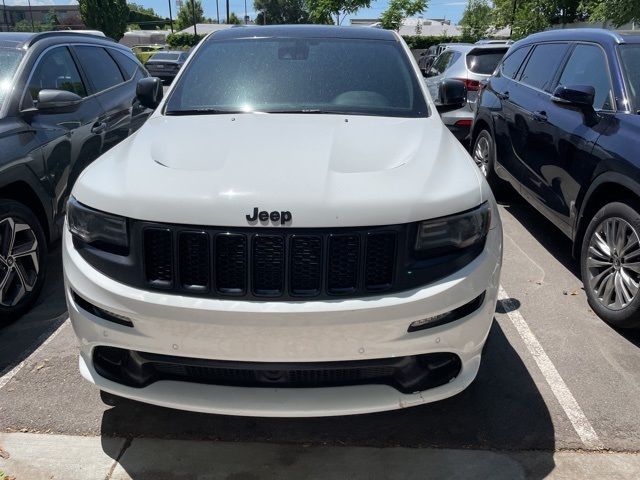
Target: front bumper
(300, 332)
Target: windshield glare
(630, 55)
(9, 61)
(279, 75)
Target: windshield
(484, 62)
(310, 75)
(630, 55)
(166, 56)
(9, 61)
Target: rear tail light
(472, 85)
(466, 122)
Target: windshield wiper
(202, 111)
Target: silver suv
(471, 64)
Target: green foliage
(418, 42)
(618, 12)
(183, 41)
(234, 19)
(321, 11)
(400, 9)
(146, 20)
(476, 20)
(108, 16)
(186, 14)
(136, 7)
(279, 12)
(536, 15)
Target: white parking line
(576, 416)
(6, 378)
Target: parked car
(65, 98)
(470, 64)
(491, 41)
(336, 253)
(429, 55)
(166, 65)
(560, 122)
(145, 52)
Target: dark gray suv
(65, 98)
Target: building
(426, 27)
(12, 14)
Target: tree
(108, 16)
(278, 12)
(476, 20)
(398, 10)
(322, 10)
(234, 19)
(136, 7)
(618, 12)
(186, 14)
(536, 15)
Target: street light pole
(217, 12)
(33, 27)
(193, 16)
(4, 16)
(513, 17)
(227, 12)
(170, 16)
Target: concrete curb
(51, 457)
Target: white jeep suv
(293, 232)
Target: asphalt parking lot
(554, 377)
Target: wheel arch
(21, 191)
(608, 187)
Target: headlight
(446, 234)
(97, 228)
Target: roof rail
(58, 33)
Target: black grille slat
(379, 260)
(231, 264)
(158, 257)
(306, 265)
(268, 265)
(194, 260)
(343, 262)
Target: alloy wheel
(481, 154)
(613, 263)
(19, 262)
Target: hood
(327, 170)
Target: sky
(450, 9)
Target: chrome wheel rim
(613, 263)
(481, 155)
(19, 262)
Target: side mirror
(57, 101)
(580, 96)
(452, 95)
(149, 91)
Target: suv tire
(484, 154)
(610, 264)
(23, 251)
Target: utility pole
(193, 16)
(170, 16)
(33, 28)
(513, 17)
(227, 12)
(4, 16)
(245, 12)
(217, 12)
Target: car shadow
(502, 410)
(20, 338)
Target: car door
(562, 154)
(527, 103)
(435, 74)
(69, 140)
(111, 90)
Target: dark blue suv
(560, 121)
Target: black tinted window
(484, 62)
(101, 69)
(441, 63)
(127, 64)
(296, 74)
(56, 70)
(512, 63)
(543, 64)
(630, 55)
(588, 66)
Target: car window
(56, 70)
(484, 61)
(511, 64)
(630, 56)
(441, 63)
(325, 75)
(128, 65)
(9, 60)
(101, 69)
(588, 66)
(543, 64)
(183, 57)
(165, 56)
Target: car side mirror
(149, 91)
(57, 101)
(452, 95)
(581, 96)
